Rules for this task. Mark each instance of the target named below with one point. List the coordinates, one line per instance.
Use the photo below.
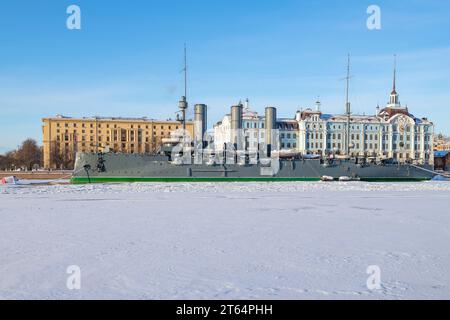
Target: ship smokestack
(270, 125)
(236, 125)
(200, 123)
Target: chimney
(270, 125)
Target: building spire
(394, 91)
(394, 101)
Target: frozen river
(226, 240)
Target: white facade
(253, 131)
(392, 133)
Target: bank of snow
(226, 240)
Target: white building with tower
(254, 130)
(392, 132)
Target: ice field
(226, 240)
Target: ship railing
(430, 171)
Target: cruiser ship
(399, 146)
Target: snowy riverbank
(226, 240)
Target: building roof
(392, 111)
(441, 154)
(143, 119)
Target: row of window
(367, 146)
(366, 127)
(288, 145)
(288, 136)
(91, 125)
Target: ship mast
(185, 71)
(183, 105)
(347, 107)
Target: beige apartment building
(441, 143)
(63, 137)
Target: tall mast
(183, 105)
(347, 107)
(185, 71)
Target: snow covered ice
(226, 240)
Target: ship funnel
(200, 123)
(236, 125)
(270, 125)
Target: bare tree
(4, 163)
(29, 154)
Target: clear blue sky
(127, 58)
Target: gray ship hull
(151, 168)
